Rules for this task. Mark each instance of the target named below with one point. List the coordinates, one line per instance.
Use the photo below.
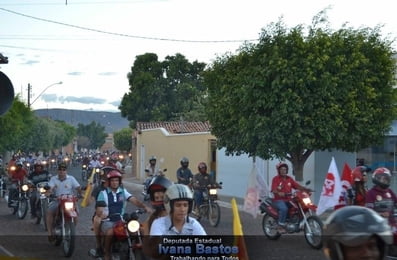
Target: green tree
(14, 126)
(123, 139)
(95, 132)
(163, 91)
(297, 91)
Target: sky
(90, 45)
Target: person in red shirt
(19, 175)
(358, 191)
(282, 186)
(380, 197)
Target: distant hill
(112, 122)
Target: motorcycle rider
(282, 186)
(19, 175)
(380, 197)
(201, 180)
(356, 195)
(156, 191)
(60, 184)
(111, 204)
(37, 175)
(356, 232)
(184, 174)
(178, 201)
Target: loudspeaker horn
(6, 93)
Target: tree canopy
(299, 90)
(21, 130)
(123, 139)
(164, 90)
(91, 136)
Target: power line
(122, 34)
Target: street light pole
(57, 83)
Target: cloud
(69, 99)
(115, 103)
(84, 100)
(49, 97)
(75, 73)
(30, 62)
(109, 73)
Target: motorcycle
(65, 224)
(210, 209)
(84, 172)
(127, 238)
(19, 200)
(301, 217)
(147, 182)
(42, 202)
(3, 184)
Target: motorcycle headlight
(307, 201)
(213, 191)
(84, 166)
(97, 170)
(42, 190)
(28, 165)
(44, 162)
(12, 168)
(133, 226)
(52, 160)
(69, 205)
(25, 187)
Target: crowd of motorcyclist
(171, 203)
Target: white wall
(233, 171)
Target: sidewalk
(224, 201)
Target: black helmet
(158, 183)
(184, 161)
(352, 226)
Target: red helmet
(114, 174)
(358, 173)
(381, 177)
(281, 164)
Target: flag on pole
(346, 185)
(332, 189)
(251, 200)
(238, 233)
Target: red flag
(346, 185)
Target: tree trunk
(298, 160)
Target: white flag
(251, 200)
(332, 189)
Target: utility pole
(29, 93)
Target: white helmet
(175, 192)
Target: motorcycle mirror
(165, 170)
(308, 182)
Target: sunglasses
(62, 169)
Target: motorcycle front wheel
(214, 214)
(314, 238)
(22, 208)
(69, 239)
(269, 227)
